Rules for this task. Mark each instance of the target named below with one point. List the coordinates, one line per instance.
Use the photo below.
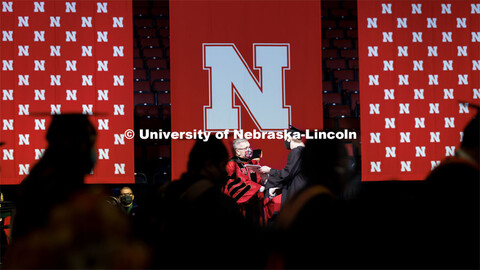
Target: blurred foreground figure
(452, 202)
(60, 223)
(60, 172)
(312, 222)
(200, 226)
(86, 232)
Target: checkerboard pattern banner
(419, 70)
(66, 57)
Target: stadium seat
(142, 22)
(329, 123)
(149, 42)
(158, 150)
(141, 86)
(137, 63)
(144, 98)
(325, 13)
(326, 44)
(336, 63)
(344, 75)
(157, 63)
(136, 53)
(343, 43)
(349, 86)
(140, 75)
(160, 86)
(166, 42)
(347, 24)
(166, 109)
(146, 32)
(153, 53)
(334, 33)
(141, 11)
(329, 53)
(349, 5)
(349, 123)
(349, 53)
(330, 4)
(327, 86)
(329, 24)
(147, 111)
(338, 111)
(332, 98)
(352, 33)
(160, 74)
(162, 23)
(164, 32)
(135, 42)
(354, 100)
(352, 63)
(339, 13)
(140, 178)
(163, 97)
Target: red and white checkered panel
(419, 67)
(62, 57)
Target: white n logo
(263, 98)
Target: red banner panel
(253, 66)
(419, 70)
(66, 57)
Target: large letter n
(229, 74)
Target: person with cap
(289, 179)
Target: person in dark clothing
(289, 179)
(201, 227)
(126, 199)
(58, 175)
(312, 227)
(451, 201)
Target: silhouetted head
(325, 162)
(71, 138)
(471, 138)
(209, 159)
(293, 138)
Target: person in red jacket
(244, 184)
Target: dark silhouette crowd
(193, 223)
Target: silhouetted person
(452, 204)
(59, 174)
(202, 227)
(311, 222)
(289, 179)
(84, 232)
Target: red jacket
(240, 185)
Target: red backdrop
(60, 57)
(419, 65)
(199, 87)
